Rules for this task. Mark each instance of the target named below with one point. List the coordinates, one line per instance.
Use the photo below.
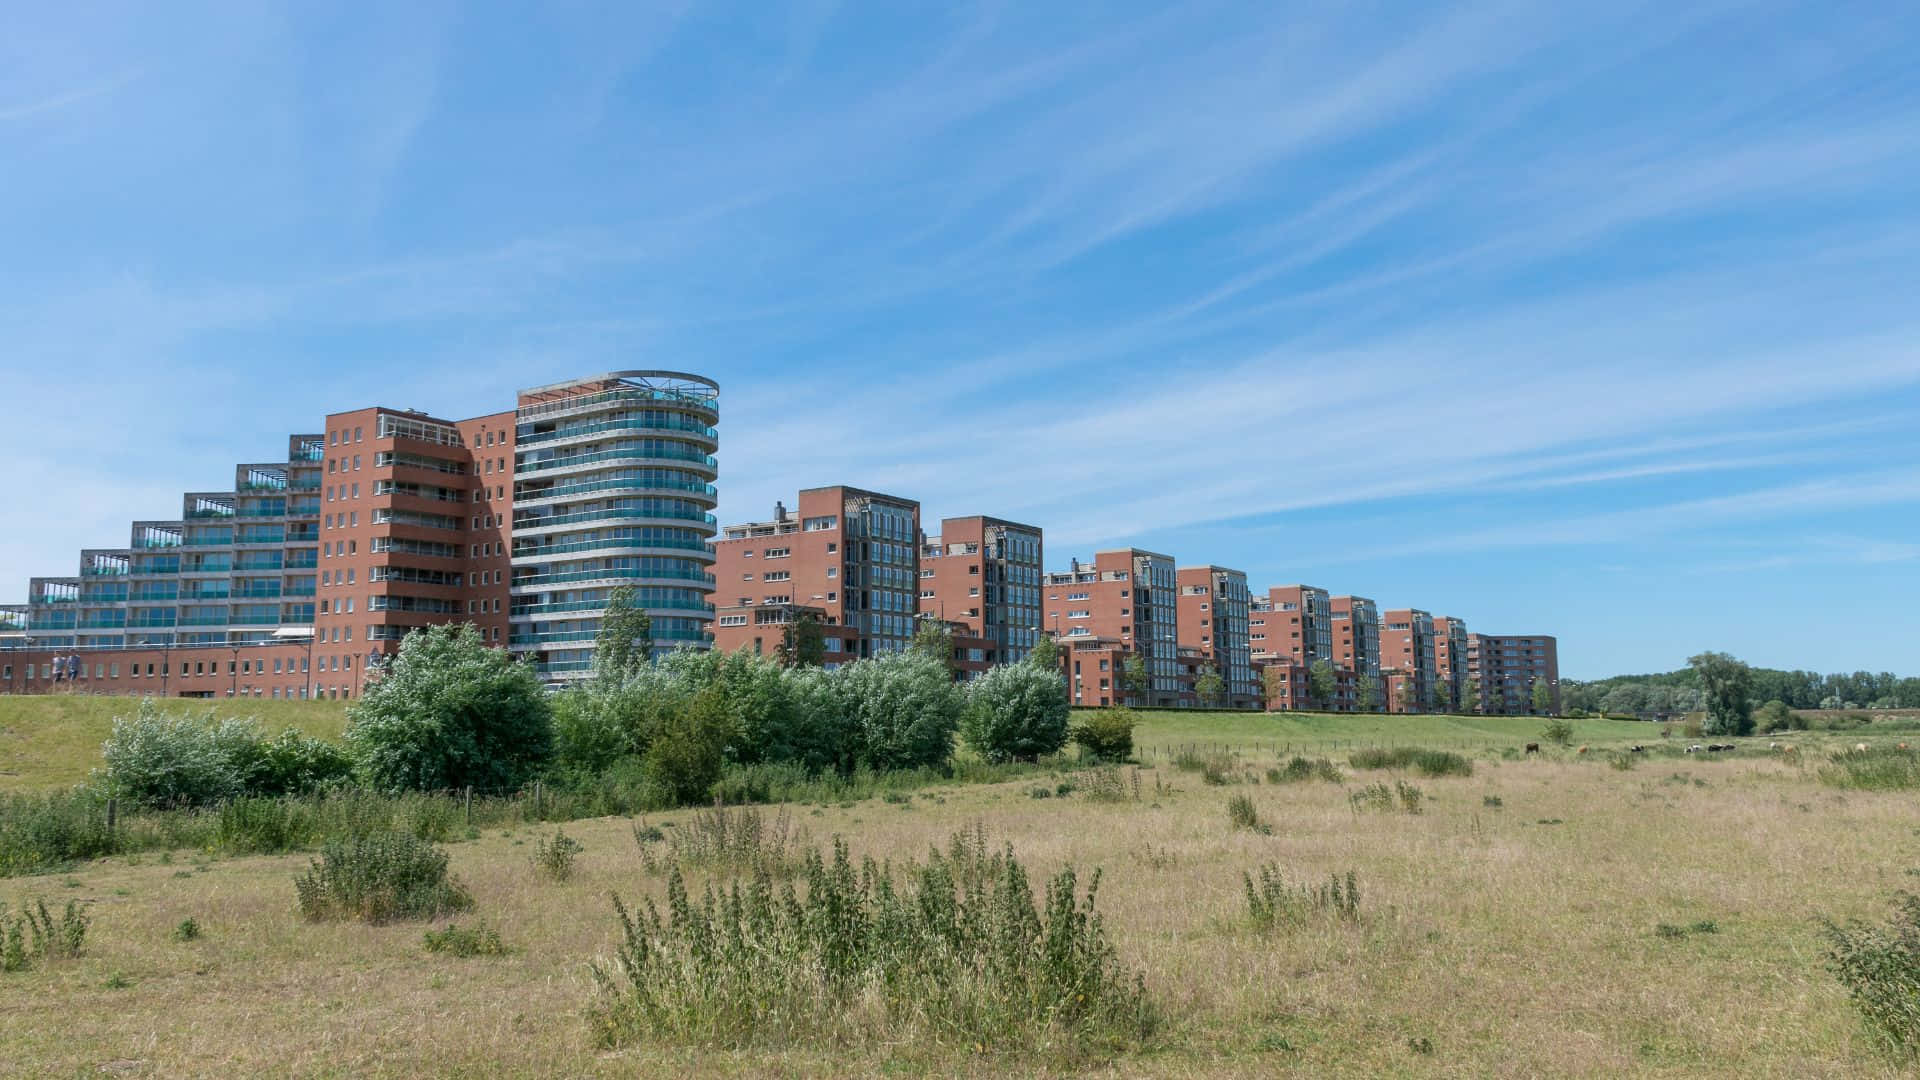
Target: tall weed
(873, 956)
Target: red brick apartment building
(1407, 660)
(982, 574)
(1292, 621)
(1450, 658)
(850, 554)
(1507, 666)
(1092, 667)
(1126, 596)
(307, 573)
(1213, 622)
(1356, 634)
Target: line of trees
(1673, 693)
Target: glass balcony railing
(702, 400)
(568, 431)
(570, 636)
(635, 454)
(203, 620)
(612, 515)
(104, 571)
(633, 484)
(210, 541)
(622, 543)
(536, 580)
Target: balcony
(553, 520)
(210, 541)
(569, 431)
(702, 401)
(635, 454)
(541, 580)
(634, 484)
(622, 543)
(575, 636)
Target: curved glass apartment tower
(612, 485)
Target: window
(779, 553)
(356, 438)
(356, 463)
(817, 524)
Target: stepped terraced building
(310, 569)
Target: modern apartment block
(1213, 620)
(852, 555)
(1507, 667)
(1407, 652)
(1356, 634)
(613, 484)
(984, 573)
(520, 522)
(1292, 621)
(1450, 659)
(1127, 596)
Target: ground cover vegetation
(958, 929)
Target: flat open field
(1508, 929)
(53, 740)
(1170, 729)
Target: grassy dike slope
(53, 740)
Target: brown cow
(1533, 748)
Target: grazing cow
(1773, 746)
(1695, 748)
(1903, 746)
(1714, 748)
(1861, 747)
(1533, 748)
(1583, 751)
(1636, 748)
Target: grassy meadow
(1513, 926)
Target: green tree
(1015, 712)
(1273, 681)
(1409, 694)
(933, 639)
(687, 752)
(1045, 654)
(1438, 699)
(1320, 682)
(1134, 678)
(1542, 697)
(449, 712)
(1726, 682)
(625, 642)
(1209, 687)
(1369, 693)
(1471, 702)
(1559, 732)
(802, 642)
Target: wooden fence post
(539, 803)
(469, 801)
(113, 813)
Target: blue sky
(1596, 320)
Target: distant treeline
(1674, 692)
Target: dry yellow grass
(1516, 948)
(53, 740)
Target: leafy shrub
(1880, 967)
(161, 759)
(1877, 768)
(378, 878)
(1622, 762)
(449, 712)
(1272, 902)
(32, 935)
(463, 941)
(857, 959)
(553, 857)
(41, 832)
(1015, 712)
(187, 930)
(1557, 731)
(740, 840)
(1107, 734)
(1299, 768)
(1424, 762)
(1241, 814)
(902, 709)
